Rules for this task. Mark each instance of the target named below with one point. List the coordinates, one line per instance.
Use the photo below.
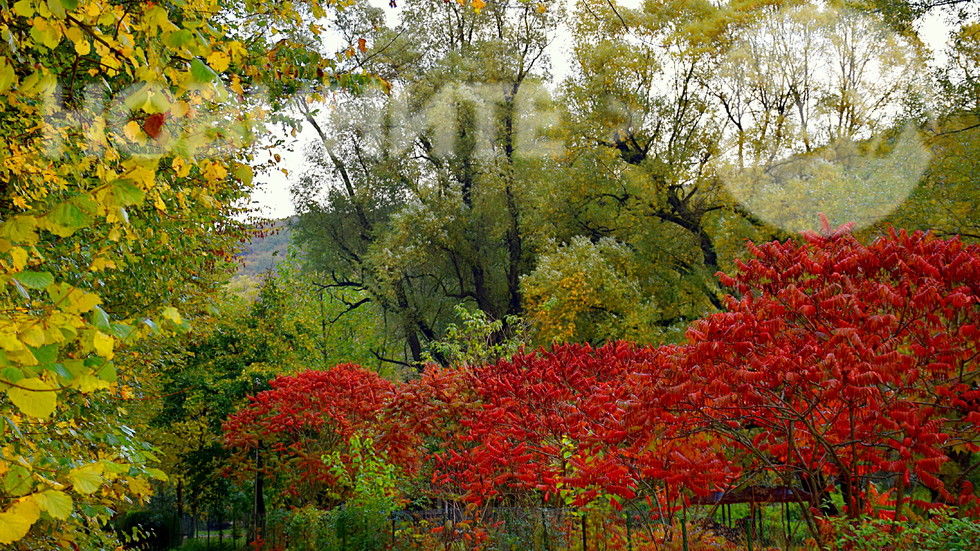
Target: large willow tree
(423, 197)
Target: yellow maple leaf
(479, 5)
(219, 61)
(133, 132)
(80, 302)
(102, 263)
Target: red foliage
(427, 413)
(153, 125)
(570, 423)
(844, 360)
(304, 416)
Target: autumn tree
(126, 142)
(420, 198)
(640, 119)
(570, 427)
(689, 127)
(843, 364)
(98, 190)
(287, 434)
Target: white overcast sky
(272, 199)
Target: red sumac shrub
(567, 426)
(847, 362)
(301, 418)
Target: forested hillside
(265, 249)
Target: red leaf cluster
(844, 360)
(304, 416)
(570, 423)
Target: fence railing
(531, 529)
(454, 527)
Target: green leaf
(35, 280)
(63, 372)
(178, 39)
(46, 354)
(122, 331)
(57, 8)
(70, 4)
(157, 474)
(66, 218)
(108, 372)
(34, 397)
(20, 229)
(18, 481)
(74, 367)
(101, 320)
(244, 173)
(7, 75)
(200, 71)
(127, 193)
(12, 374)
(55, 503)
(87, 202)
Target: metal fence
(453, 527)
(527, 529)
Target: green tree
(204, 376)
(946, 200)
(419, 199)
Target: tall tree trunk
(258, 505)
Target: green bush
(942, 533)
(146, 530)
(342, 529)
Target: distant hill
(267, 250)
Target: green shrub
(942, 533)
(342, 529)
(146, 530)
